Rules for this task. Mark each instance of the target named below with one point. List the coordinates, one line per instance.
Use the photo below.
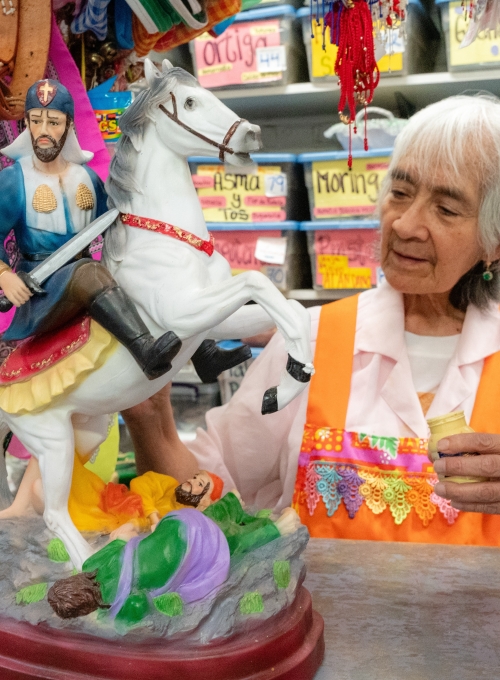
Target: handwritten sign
(227, 196)
(323, 60)
(240, 250)
(356, 249)
(340, 193)
(485, 48)
(247, 52)
(336, 273)
(238, 247)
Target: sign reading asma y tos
(242, 54)
(232, 197)
(339, 192)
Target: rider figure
(48, 196)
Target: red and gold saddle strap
(169, 230)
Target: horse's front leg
(49, 437)
(203, 309)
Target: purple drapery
(204, 567)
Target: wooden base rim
(289, 646)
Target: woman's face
(429, 230)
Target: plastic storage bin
(277, 249)
(344, 255)
(229, 381)
(259, 48)
(274, 193)
(334, 192)
(484, 52)
(321, 61)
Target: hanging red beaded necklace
(351, 29)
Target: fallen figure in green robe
(188, 553)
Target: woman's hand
(476, 496)
(15, 290)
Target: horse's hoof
(270, 401)
(299, 371)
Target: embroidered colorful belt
(169, 230)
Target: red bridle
(223, 147)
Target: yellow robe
(97, 506)
(157, 492)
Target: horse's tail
(5, 436)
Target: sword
(62, 256)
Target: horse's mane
(121, 184)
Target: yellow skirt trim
(39, 391)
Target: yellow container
(443, 426)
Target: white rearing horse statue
(174, 285)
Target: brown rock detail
(84, 198)
(44, 200)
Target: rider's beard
(188, 498)
(48, 154)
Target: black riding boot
(210, 360)
(116, 312)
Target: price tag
(275, 185)
(271, 59)
(271, 250)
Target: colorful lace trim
(319, 478)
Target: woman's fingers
(485, 493)
(484, 465)
(474, 442)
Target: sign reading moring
(339, 192)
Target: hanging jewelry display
(354, 26)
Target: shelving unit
(302, 99)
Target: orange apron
(362, 486)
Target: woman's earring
(487, 274)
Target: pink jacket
(258, 454)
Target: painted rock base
(289, 646)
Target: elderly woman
(351, 452)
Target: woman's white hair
(460, 135)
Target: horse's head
(192, 121)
